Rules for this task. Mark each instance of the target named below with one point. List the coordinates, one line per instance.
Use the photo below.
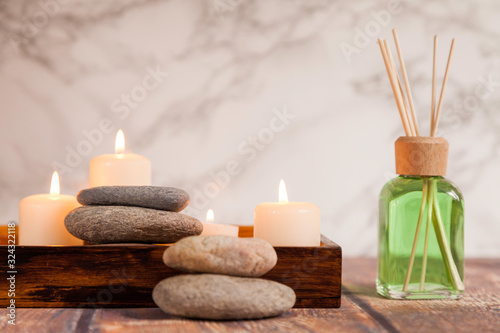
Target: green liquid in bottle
(400, 205)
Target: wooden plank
(478, 311)
(48, 320)
(124, 275)
(348, 318)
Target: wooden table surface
(362, 311)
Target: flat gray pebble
(220, 297)
(249, 257)
(155, 197)
(122, 224)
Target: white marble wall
(232, 64)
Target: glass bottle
(421, 225)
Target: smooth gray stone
(249, 257)
(122, 224)
(211, 296)
(156, 197)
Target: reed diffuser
(421, 240)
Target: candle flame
(54, 185)
(282, 193)
(210, 215)
(120, 143)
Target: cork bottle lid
(421, 156)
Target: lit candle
(41, 218)
(286, 223)
(120, 168)
(218, 229)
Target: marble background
(233, 65)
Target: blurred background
(287, 89)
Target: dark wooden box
(116, 276)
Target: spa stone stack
(225, 285)
(132, 214)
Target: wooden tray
(116, 276)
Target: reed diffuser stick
(440, 103)
(437, 221)
(394, 70)
(433, 98)
(388, 67)
(415, 240)
(408, 117)
(407, 83)
(430, 196)
(395, 75)
(443, 243)
(431, 193)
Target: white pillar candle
(286, 223)
(218, 229)
(41, 218)
(120, 168)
